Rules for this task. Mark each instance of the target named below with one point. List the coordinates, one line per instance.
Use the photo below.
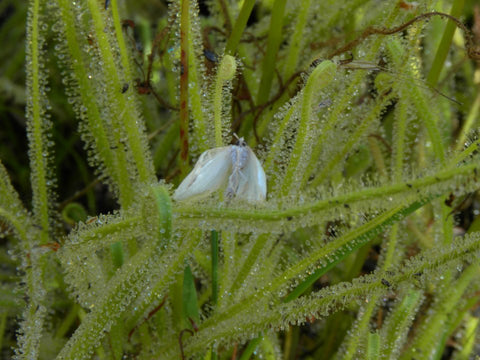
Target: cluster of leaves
(367, 244)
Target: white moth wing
(252, 182)
(239, 156)
(208, 175)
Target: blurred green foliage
(364, 115)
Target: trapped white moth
(233, 166)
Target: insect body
(233, 166)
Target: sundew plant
(364, 115)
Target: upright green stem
(296, 40)
(273, 44)
(377, 156)
(251, 347)
(373, 346)
(39, 153)
(196, 83)
(214, 247)
(320, 78)
(239, 27)
(444, 47)
(225, 72)
(467, 348)
(360, 330)
(250, 261)
(184, 51)
(110, 158)
(343, 102)
(228, 250)
(399, 138)
(472, 117)
(399, 322)
(124, 114)
(353, 139)
(430, 121)
(214, 254)
(275, 148)
(124, 54)
(34, 314)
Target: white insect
(233, 166)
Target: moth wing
(252, 180)
(208, 175)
